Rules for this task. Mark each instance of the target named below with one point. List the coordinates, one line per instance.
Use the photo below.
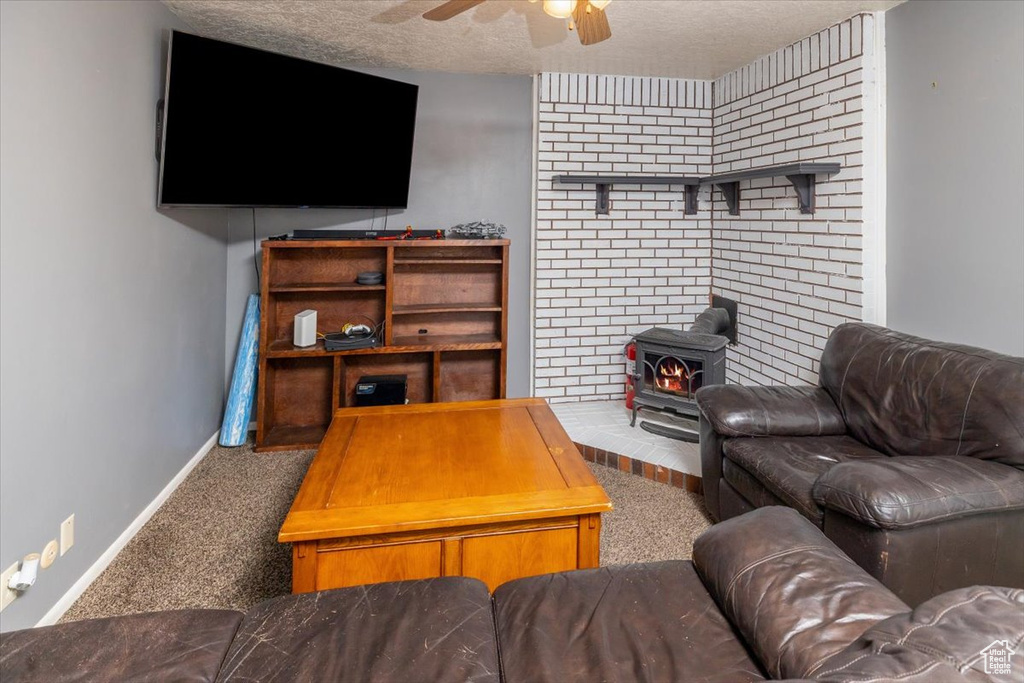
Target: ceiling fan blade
(591, 23)
(450, 9)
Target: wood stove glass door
(672, 376)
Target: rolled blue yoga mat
(243, 380)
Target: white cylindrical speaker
(305, 328)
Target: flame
(673, 376)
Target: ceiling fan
(586, 16)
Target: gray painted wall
(112, 334)
(955, 217)
(471, 160)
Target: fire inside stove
(676, 377)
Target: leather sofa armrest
(735, 410)
(793, 596)
(962, 635)
(903, 492)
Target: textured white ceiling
(676, 38)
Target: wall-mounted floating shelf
(604, 184)
(801, 175)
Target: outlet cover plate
(67, 534)
(7, 596)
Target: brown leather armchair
(847, 455)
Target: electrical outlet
(7, 596)
(67, 534)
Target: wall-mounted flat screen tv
(245, 127)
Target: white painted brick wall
(796, 276)
(601, 279)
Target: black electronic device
(340, 341)
(370, 278)
(364, 234)
(245, 127)
(381, 390)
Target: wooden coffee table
(489, 489)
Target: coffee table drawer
(503, 557)
(339, 568)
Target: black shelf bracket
(691, 199)
(804, 185)
(603, 185)
(603, 200)
(802, 176)
(731, 192)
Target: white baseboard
(75, 592)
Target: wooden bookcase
(444, 305)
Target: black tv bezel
(161, 124)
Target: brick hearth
(601, 431)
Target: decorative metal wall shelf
(801, 175)
(604, 184)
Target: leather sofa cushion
(178, 645)
(652, 622)
(735, 410)
(788, 467)
(748, 486)
(943, 639)
(898, 493)
(904, 395)
(427, 630)
(794, 597)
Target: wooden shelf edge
(292, 438)
(286, 350)
(448, 262)
(277, 448)
(279, 289)
(414, 309)
(452, 346)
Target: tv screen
(245, 127)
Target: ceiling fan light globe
(559, 9)
(599, 4)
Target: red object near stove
(630, 354)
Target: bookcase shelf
(447, 262)
(414, 309)
(443, 306)
(326, 287)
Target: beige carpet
(213, 543)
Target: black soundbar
(362, 234)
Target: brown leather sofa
(840, 454)
(767, 595)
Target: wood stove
(671, 365)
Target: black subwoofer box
(381, 390)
